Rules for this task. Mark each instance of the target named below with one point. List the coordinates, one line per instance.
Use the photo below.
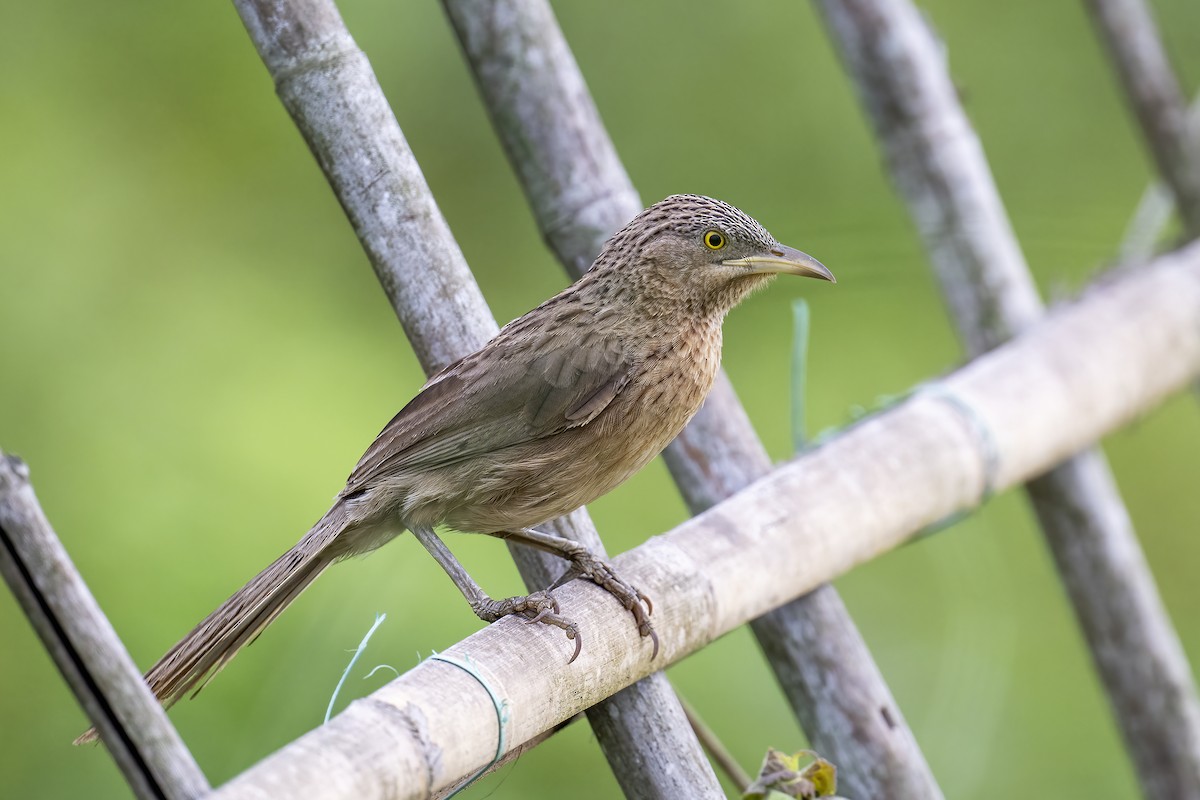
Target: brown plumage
(562, 405)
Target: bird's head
(700, 252)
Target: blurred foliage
(195, 353)
(803, 774)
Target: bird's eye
(714, 240)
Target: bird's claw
(600, 572)
(570, 628)
(539, 606)
(540, 616)
(645, 598)
(535, 604)
(543, 608)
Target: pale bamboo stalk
(995, 423)
(328, 87)
(1128, 30)
(86, 649)
(939, 167)
(580, 193)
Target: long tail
(200, 655)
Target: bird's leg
(586, 564)
(538, 606)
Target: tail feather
(212, 644)
(215, 641)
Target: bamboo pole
(939, 167)
(580, 193)
(86, 649)
(995, 423)
(546, 120)
(935, 158)
(1128, 31)
(327, 85)
(1155, 208)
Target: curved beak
(783, 259)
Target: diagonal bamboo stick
(1155, 208)
(938, 166)
(1007, 416)
(580, 193)
(1128, 30)
(546, 120)
(88, 652)
(327, 85)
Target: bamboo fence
(765, 541)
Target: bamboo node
(989, 451)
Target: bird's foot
(536, 607)
(584, 564)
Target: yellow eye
(714, 240)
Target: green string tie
(502, 715)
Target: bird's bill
(786, 260)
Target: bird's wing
(516, 389)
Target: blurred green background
(195, 352)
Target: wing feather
(518, 388)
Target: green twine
(502, 715)
(379, 618)
(989, 452)
(501, 706)
(988, 449)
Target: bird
(561, 406)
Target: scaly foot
(584, 564)
(536, 607)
